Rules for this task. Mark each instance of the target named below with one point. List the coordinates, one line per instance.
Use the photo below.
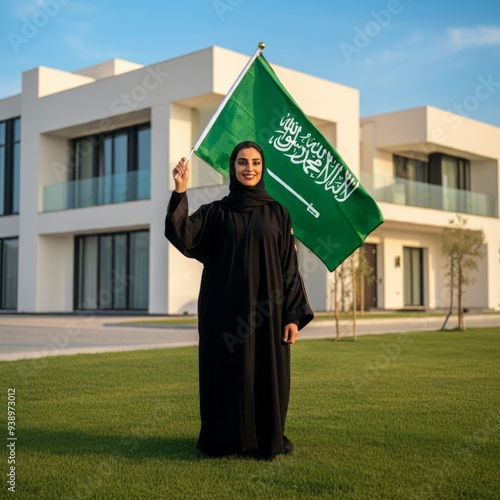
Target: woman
(252, 304)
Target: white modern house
(85, 162)
(423, 166)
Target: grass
(193, 320)
(390, 416)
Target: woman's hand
(181, 175)
(291, 333)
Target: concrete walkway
(35, 336)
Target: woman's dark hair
(246, 145)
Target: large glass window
(85, 160)
(139, 266)
(445, 170)
(455, 174)
(16, 164)
(450, 172)
(120, 166)
(411, 169)
(443, 182)
(413, 276)
(143, 148)
(86, 272)
(10, 149)
(105, 295)
(112, 271)
(3, 148)
(9, 249)
(113, 153)
(112, 167)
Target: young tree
(463, 248)
(336, 301)
(353, 259)
(342, 284)
(347, 284)
(365, 275)
(339, 293)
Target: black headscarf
(245, 198)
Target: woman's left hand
(291, 333)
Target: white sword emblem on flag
(309, 206)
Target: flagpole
(256, 54)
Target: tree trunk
(354, 296)
(461, 321)
(362, 295)
(342, 288)
(452, 292)
(336, 302)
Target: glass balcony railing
(118, 188)
(424, 195)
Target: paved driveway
(34, 336)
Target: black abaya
(250, 289)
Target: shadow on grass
(128, 446)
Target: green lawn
(390, 416)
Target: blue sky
(398, 53)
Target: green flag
(331, 212)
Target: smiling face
(248, 167)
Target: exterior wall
(158, 250)
(183, 274)
(10, 107)
(55, 273)
(394, 242)
(316, 279)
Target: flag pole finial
(260, 47)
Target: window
(10, 148)
(112, 167)
(443, 182)
(444, 170)
(411, 169)
(453, 175)
(112, 271)
(411, 175)
(455, 172)
(123, 150)
(8, 273)
(413, 276)
(449, 171)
